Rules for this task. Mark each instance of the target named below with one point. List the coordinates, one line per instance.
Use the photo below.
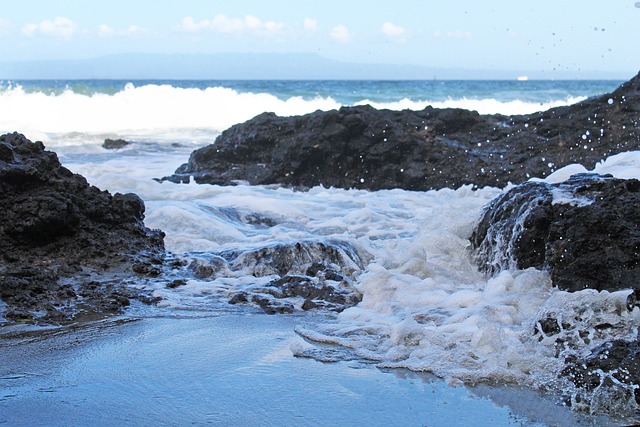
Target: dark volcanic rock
(319, 273)
(310, 258)
(56, 226)
(114, 144)
(611, 374)
(585, 231)
(361, 147)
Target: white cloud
(341, 34)
(223, 24)
(310, 24)
(105, 30)
(60, 27)
(393, 31)
(188, 24)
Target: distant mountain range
(228, 66)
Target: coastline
(232, 369)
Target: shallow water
(235, 370)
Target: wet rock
(239, 298)
(308, 305)
(146, 269)
(176, 283)
(316, 293)
(57, 230)
(206, 268)
(609, 365)
(296, 258)
(584, 231)
(272, 307)
(320, 273)
(114, 144)
(361, 147)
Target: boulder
(362, 147)
(585, 231)
(114, 144)
(58, 231)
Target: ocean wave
(185, 113)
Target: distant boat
(522, 78)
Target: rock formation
(66, 247)
(361, 147)
(585, 231)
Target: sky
(537, 35)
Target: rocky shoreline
(71, 252)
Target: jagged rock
(361, 147)
(585, 231)
(296, 258)
(320, 273)
(57, 230)
(610, 374)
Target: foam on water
(425, 306)
(165, 113)
(159, 110)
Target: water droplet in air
(610, 101)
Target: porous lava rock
(58, 233)
(584, 231)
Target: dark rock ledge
(67, 249)
(361, 147)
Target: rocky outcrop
(66, 247)
(361, 147)
(585, 231)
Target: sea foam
(164, 113)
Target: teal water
(348, 92)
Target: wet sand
(231, 370)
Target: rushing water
(425, 306)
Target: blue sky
(540, 35)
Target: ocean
(425, 307)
